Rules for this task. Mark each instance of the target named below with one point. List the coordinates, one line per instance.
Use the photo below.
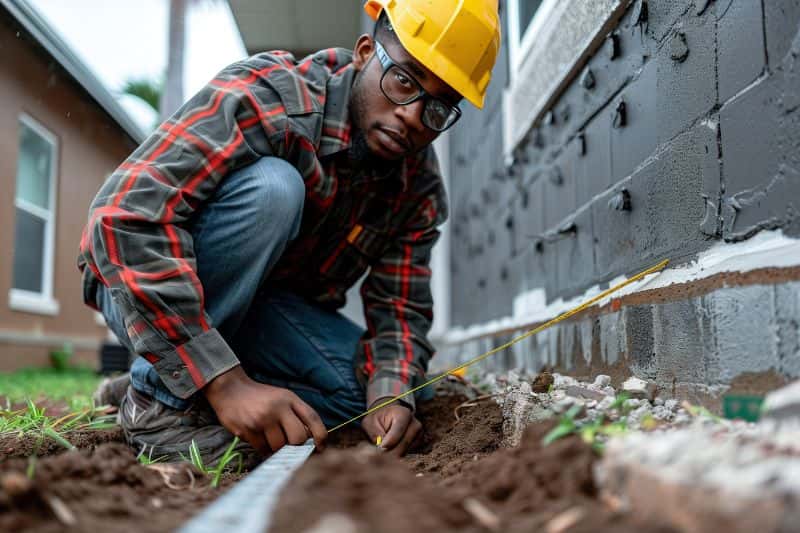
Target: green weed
(594, 432)
(216, 472)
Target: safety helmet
(457, 40)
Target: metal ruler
(248, 506)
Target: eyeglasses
(401, 88)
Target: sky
(124, 39)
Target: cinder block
(576, 256)
(678, 343)
(639, 341)
(560, 191)
(782, 24)
(686, 87)
(787, 309)
(762, 171)
(740, 45)
(744, 326)
(634, 132)
(668, 206)
(614, 231)
(593, 168)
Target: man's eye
(402, 79)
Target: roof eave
(30, 19)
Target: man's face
(392, 131)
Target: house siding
(90, 146)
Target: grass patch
(36, 388)
(73, 385)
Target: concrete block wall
(682, 130)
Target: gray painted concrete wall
(683, 130)
(691, 119)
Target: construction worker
(221, 249)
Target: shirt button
(176, 374)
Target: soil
(457, 478)
(12, 446)
(463, 482)
(100, 489)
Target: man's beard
(359, 148)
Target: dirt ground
(460, 481)
(457, 479)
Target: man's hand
(267, 417)
(395, 424)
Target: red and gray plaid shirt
(355, 220)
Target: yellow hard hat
(457, 40)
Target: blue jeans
(280, 338)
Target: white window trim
(27, 301)
(520, 45)
(544, 59)
(32, 302)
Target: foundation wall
(679, 129)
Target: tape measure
(652, 270)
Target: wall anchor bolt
(587, 79)
(556, 177)
(701, 6)
(620, 116)
(581, 144)
(678, 48)
(564, 113)
(613, 46)
(621, 201)
(640, 13)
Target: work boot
(159, 432)
(112, 390)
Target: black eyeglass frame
(387, 63)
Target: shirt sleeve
(136, 242)
(398, 304)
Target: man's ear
(363, 50)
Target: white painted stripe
(248, 506)
(768, 249)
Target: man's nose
(411, 114)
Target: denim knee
(273, 182)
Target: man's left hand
(396, 425)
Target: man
(221, 248)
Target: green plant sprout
(148, 459)
(216, 472)
(590, 431)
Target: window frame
(520, 45)
(42, 302)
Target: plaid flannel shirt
(355, 220)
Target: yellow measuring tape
(562, 317)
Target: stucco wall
(681, 131)
(91, 145)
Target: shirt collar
(336, 128)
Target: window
(34, 203)
(524, 18)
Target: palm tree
(148, 90)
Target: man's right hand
(265, 416)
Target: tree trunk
(172, 96)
